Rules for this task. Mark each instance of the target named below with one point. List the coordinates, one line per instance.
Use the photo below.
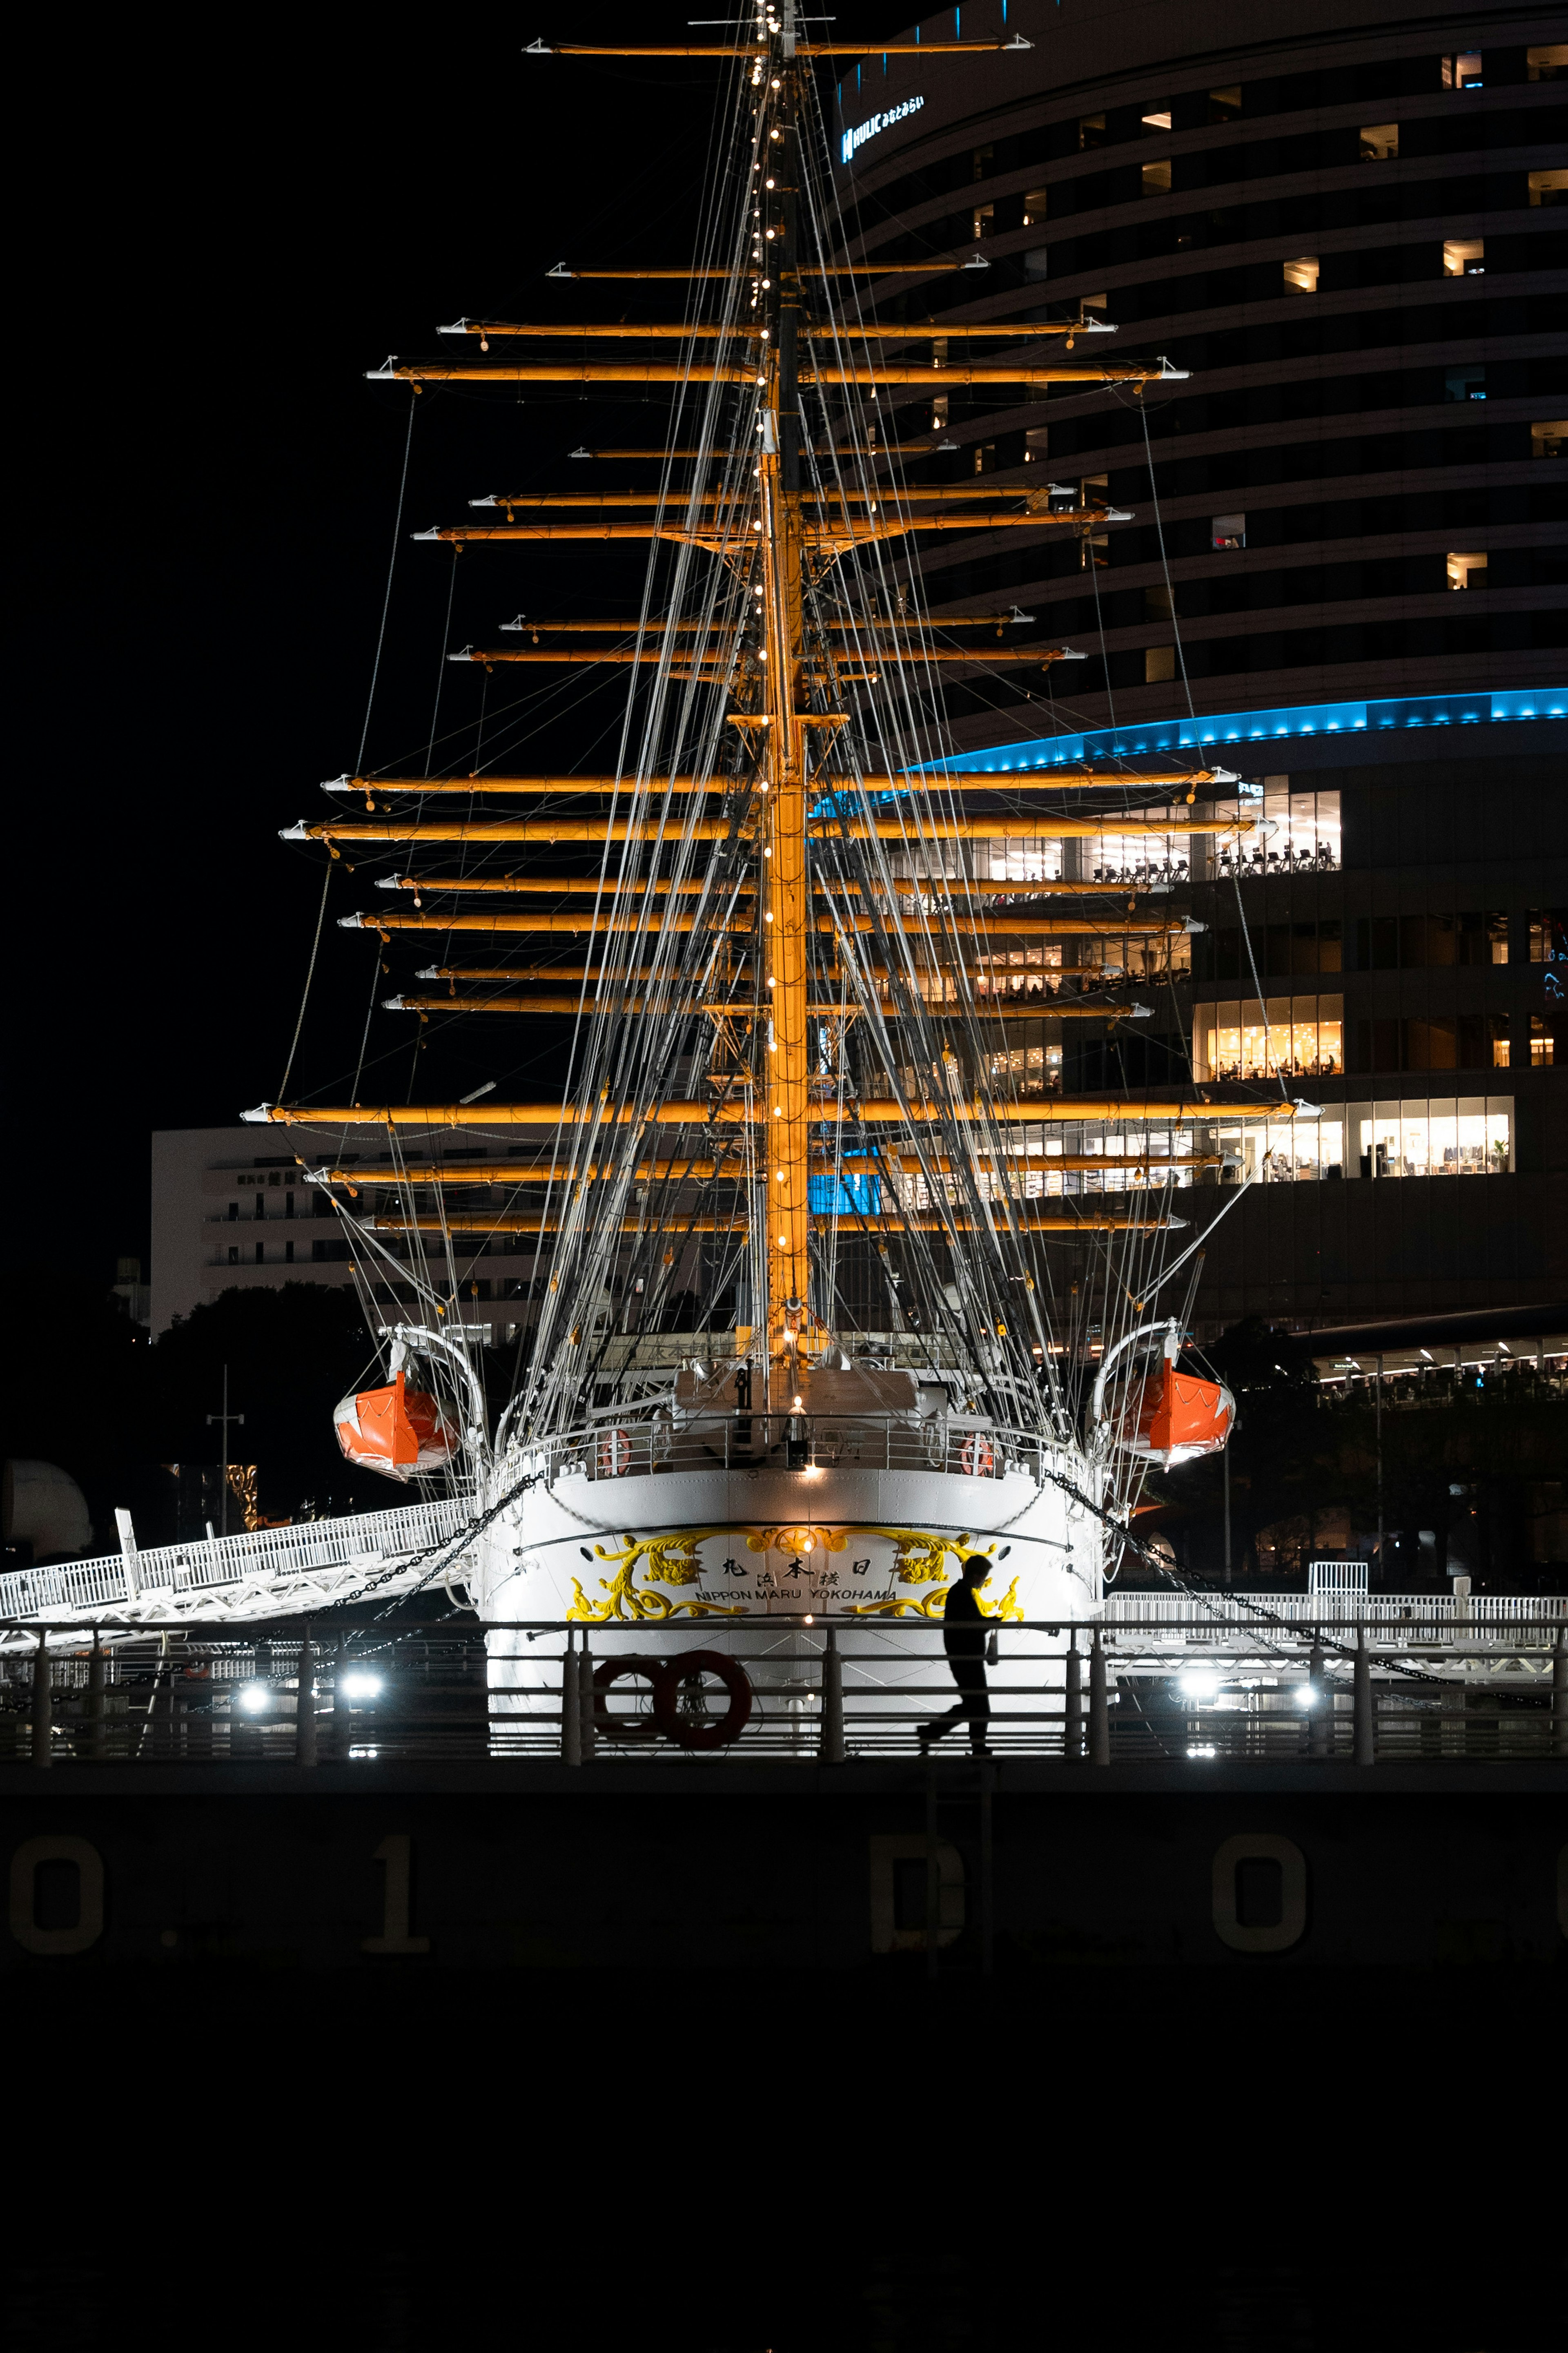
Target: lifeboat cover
(1181, 1418)
(398, 1432)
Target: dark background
(225, 230)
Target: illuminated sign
(858, 136)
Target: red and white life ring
(614, 1454)
(977, 1456)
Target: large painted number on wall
(88, 1923)
(1261, 1937)
(396, 1854)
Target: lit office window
(1020, 972)
(1470, 1137)
(1159, 664)
(1157, 1155)
(1301, 275)
(1466, 571)
(1090, 130)
(1227, 530)
(1379, 142)
(1281, 1152)
(1285, 1037)
(1159, 119)
(1547, 63)
(1462, 69)
(1299, 833)
(1027, 1070)
(1225, 105)
(1463, 257)
(1136, 859)
(1017, 861)
(1542, 1043)
(1546, 440)
(1548, 187)
(1035, 202)
(1036, 445)
(1156, 177)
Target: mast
(787, 912)
(778, 861)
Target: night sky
(228, 233)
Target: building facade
(227, 1218)
(1346, 575)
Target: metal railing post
(832, 1703)
(305, 1703)
(43, 1702)
(987, 1872)
(1364, 1743)
(1560, 1694)
(571, 1708)
(1098, 1704)
(1320, 1714)
(586, 1697)
(342, 1715)
(934, 1871)
(1072, 1700)
(95, 1699)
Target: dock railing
(807, 1690)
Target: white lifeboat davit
(396, 1430)
(1169, 1416)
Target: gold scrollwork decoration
(920, 1559)
(667, 1560)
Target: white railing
(266, 1556)
(621, 1447)
(1336, 1576)
(1480, 1609)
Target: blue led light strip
(1245, 727)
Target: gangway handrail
(221, 1561)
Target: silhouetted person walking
(964, 1640)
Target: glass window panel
(1464, 1137)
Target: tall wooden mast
(775, 530)
(787, 897)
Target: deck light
(360, 1685)
(1200, 1683)
(254, 1698)
(1306, 1695)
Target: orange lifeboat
(1180, 1418)
(398, 1432)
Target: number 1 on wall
(394, 1853)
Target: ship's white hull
(732, 1559)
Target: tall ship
(833, 1297)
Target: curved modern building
(1346, 567)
